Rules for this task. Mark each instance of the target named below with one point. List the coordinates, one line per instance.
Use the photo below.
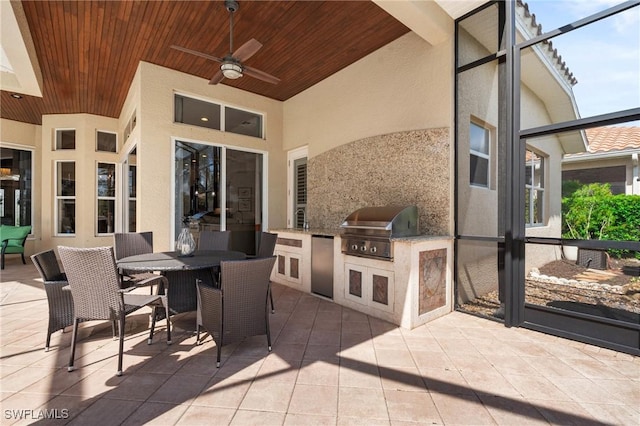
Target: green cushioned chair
(13, 239)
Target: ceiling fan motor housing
(231, 5)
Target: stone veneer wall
(404, 168)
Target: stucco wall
(406, 85)
(86, 158)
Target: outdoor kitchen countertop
(328, 232)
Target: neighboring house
(611, 157)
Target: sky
(604, 57)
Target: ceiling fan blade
(195, 52)
(261, 75)
(247, 50)
(217, 78)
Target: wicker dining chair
(214, 240)
(58, 292)
(128, 244)
(238, 309)
(97, 294)
(266, 248)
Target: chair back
(47, 266)
(267, 244)
(13, 238)
(132, 243)
(215, 240)
(93, 277)
(245, 289)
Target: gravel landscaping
(564, 285)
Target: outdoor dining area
(109, 283)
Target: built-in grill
(368, 232)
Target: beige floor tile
(581, 390)
(359, 374)
(198, 415)
(612, 413)
(324, 352)
(537, 387)
(563, 412)
(620, 391)
(199, 365)
(308, 420)
(268, 396)
(357, 421)
(107, 412)
(156, 413)
(69, 406)
(57, 382)
(95, 383)
(552, 367)
(276, 369)
(445, 381)
(489, 382)
(512, 411)
(137, 387)
(24, 378)
(428, 359)
(412, 407)
(290, 351)
(462, 409)
(362, 403)
(257, 418)
(511, 364)
(223, 392)
(319, 372)
(180, 389)
(314, 400)
(401, 379)
(239, 367)
(395, 358)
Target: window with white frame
(479, 155)
(106, 141)
(65, 197)
(534, 188)
(106, 198)
(65, 139)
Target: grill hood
(385, 221)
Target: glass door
(209, 177)
(244, 198)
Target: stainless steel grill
(368, 232)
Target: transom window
(201, 113)
(65, 139)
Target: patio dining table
(182, 272)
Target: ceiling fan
(232, 66)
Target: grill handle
(386, 228)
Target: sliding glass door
(209, 177)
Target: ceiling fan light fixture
(231, 71)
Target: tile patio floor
(329, 366)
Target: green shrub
(592, 212)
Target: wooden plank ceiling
(89, 50)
